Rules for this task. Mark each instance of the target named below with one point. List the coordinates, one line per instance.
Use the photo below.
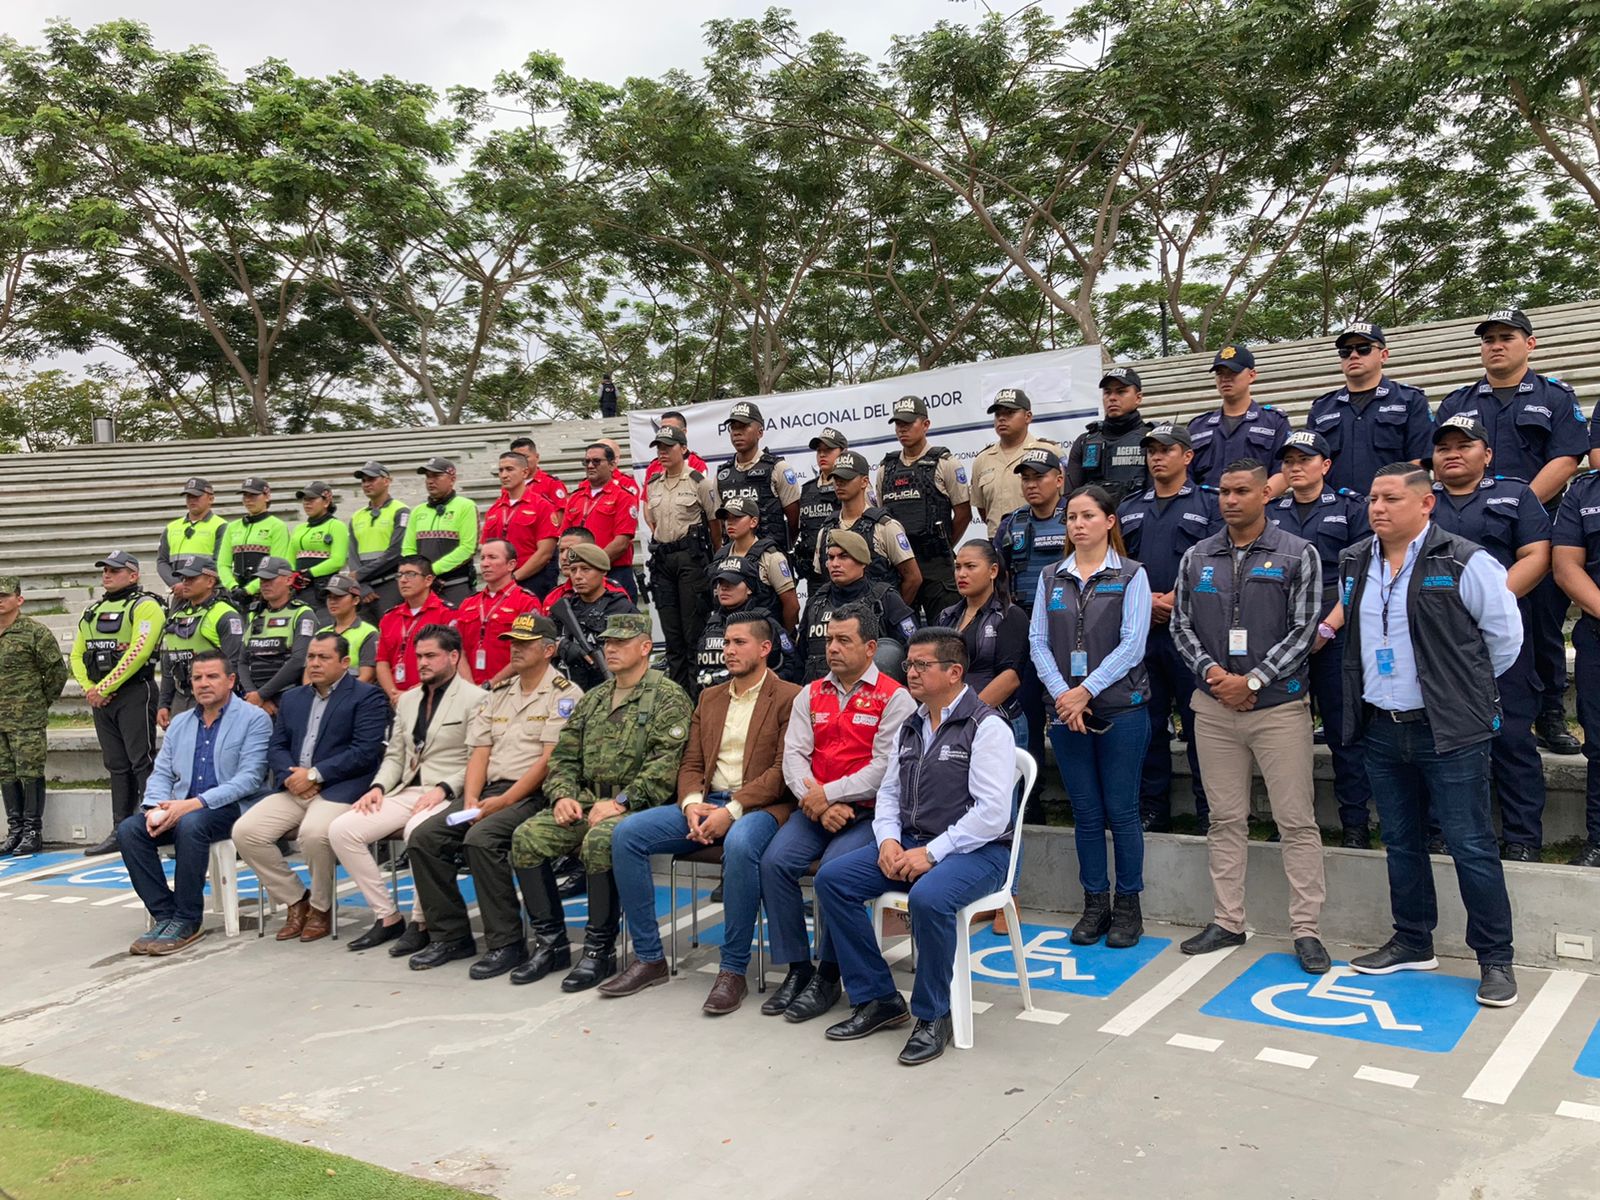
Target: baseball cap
(830, 437)
(1038, 459)
(343, 585)
(626, 625)
(734, 567)
(1233, 357)
(119, 560)
(1012, 398)
(592, 555)
(10, 585)
(1362, 329)
(1307, 441)
(909, 408)
(372, 469)
(531, 627)
(1117, 376)
(746, 413)
(1462, 424)
(1168, 433)
(195, 486)
(1513, 317)
(192, 566)
(851, 465)
(851, 543)
(315, 488)
(274, 568)
(437, 465)
(670, 435)
(738, 506)
(254, 485)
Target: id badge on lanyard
(1238, 641)
(1080, 663)
(400, 670)
(1385, 657)
(480, 661)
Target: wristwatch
(621, 801)
(1252, 683)
(1326, 631)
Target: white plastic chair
(223, 873)
(1026, 773)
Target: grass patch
(69, 720)
(59, 1141)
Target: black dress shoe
(869, 1018)
(1313, 955)
(499, 960)
(1391, 957)
(816, 998)
(106, 846)
(377, 935)
(1356, 837)
(1589, 856)
(551, 952)
(1212, 937)
(1551, 732)
(716, 894)
(799, 975)
(413, 939)
(1516, 852)
(927, 1041)
(436, 954)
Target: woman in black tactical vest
(994, 629)
(1090, 621)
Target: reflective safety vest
(195, 537)
(373, 533)
(108, 627)
(190, 630)
(269, 641)
(355, 637)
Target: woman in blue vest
(994, 629)
(1090, 620)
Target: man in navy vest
(1429, 624)
(943, 829)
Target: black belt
(691, 542)
(1409, 716)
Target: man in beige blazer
(730, 794)
(424, 770)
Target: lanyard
(486, 614)
(407, 629)
(1387, 593)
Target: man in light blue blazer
(210, 768)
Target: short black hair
(211, 655)
(1405, 470)
(611, 455)
(866, 620)
(447, 639)
(580, 532)
(946, 642)
(511, 549)
(516, 454)
(675, 415)
(524, 444)
(417, 560)
(759, 619)
(1249, 466)
(341, 643)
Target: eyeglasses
(920, 665)
(409, 575)
(1363, 350)
(594, 462)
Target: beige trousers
(353, 833)
(256, 835)
(1278, 740)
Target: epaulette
(559, 682)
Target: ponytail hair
(1104, 503)
(985, 550)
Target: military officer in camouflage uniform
(619, 752)
(31, 678)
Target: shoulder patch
(678, 731)
(560, 681)
(790, 478)
(961, 474)
(564, 706)
(903, 542)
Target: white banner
(1064, 386)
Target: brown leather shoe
(727, 993)
(319, 924)
(295, 919)
(636, 978)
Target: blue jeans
(1101, 774)
(665, 830)
(798, 844)
(1171, 685)
(191, 838)
(1409, 777)
(847, 882)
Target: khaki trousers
(1278, 740)
(352, 834)
(256, 836)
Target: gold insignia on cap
(1227, 352)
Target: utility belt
(100, 663)
(698, 538)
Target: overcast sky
(444, 42)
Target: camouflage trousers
(540, 839)
(22, 755)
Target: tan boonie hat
(852, 544)
(592, 555)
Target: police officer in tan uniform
(893, 560)
(680, 507)
(995, 487)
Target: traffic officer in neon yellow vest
(202, 618)
(444, 531)
(196, 532)
(276, 637)
(377, 537)
(255, 536)
(319, 546)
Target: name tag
(864, 719)
(399, 672)
(480, 661)
(1385, 657)
(1238, 641)
(1080, 663)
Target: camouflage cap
(590, 555)
(10, 585)
(531, 627)
(626, 626)
(274, 568)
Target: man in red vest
(835, 754)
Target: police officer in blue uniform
(1576, 557)
(1539, 436)
(1329, 520)
(1506, 519)
(1241, 428)
(1158, 525)
(1030, 539)
(1372, 420)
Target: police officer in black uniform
(1372, 420)
(732, 586)
(757, 472)
(846, 557)
(1158, 525)
(1330, 520)
(1241, 428)
(774, 586)
(1538, 435)
(1506, 519)
(1110, 452)
(819, 506)
(925, 488)
(590, 604)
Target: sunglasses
(594, 462)
(1363, 350)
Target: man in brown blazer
(730, 794)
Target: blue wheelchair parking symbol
(1588, 1063)
(1412, 1011)
(1055, 964)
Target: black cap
(735, 568)
(739, 506)
(1233, 357)
(119, 560)
(1513, 317)
(1168, 433)
(253, 486)
(372, 469)
(274, 568)
(1119, 376)
(1362, 329)
(830, 437)
(437, 465)
(195, 486)
(315, 488)
(908, 408)
(1037, 459)
(531, 627)
(1014, 398)
(192, 566)
(851, 465)
(746, 413)
(1307, 441)
(670, 435)
(1464, 425)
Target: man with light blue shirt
(1429, 623)
(942, 827)
(212, 765)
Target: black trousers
(436, 848)
(683, 600)
(1171, 685)
(126, 729)
(938, 590)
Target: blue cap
(1307, 441)
(1362, 329)
(1233, 357)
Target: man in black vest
(925, 488)
(1244, 618)
(1429, 623)
(760, 474)
(942, 827)
(1110, 452)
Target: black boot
(574, 879)
(550, 950)
(1127, 922)
(32, 817)
(124, 799)
(12, 791)
(599, 961)
(1096, 919)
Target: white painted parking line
(1583, 1112)
(35, 896)
(1042, 1016)
(1399, 1079)
(69, 899)
(1187, 1041)
(1286, 1058)
(117, 898)
(1134, 1018)
(134, 904)
(1513, 1057)
(981, 1006)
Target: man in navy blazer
(211, 766)
(326, 747)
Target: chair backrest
(1027, 774)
